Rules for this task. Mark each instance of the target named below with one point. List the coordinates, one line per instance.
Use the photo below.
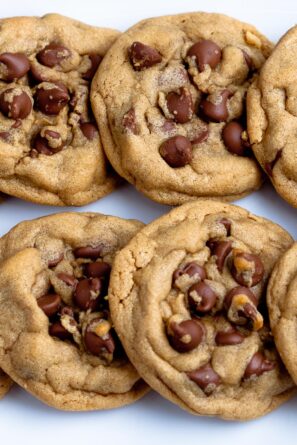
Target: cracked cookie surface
(187, 296)
(282, 305)
(56, 335)
(169, 99)
(50, 149)
(272, 117)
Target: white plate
(152, 420)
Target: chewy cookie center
(76, 302)
(216, 309)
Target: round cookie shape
(196, 334)
(282, 305)
(57, 337)
(50, 148)
(163, 96)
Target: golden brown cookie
(169, 99)
(282, 305)
(50, 148)
(56, 336)
(5, 384)
(187, 297)
(272, 117)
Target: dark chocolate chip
(216, 112)
(227, 224)
(17, 65)
(205, 52)
(240, 290)
(221, 250)
(202, 137)
(258, 365)
(230, 337)
(15, 105)
(54, 261)
(97, 345)
(53, 54)
(205, 377)
(58, 330)
(180, 105)
(51, 100)
(232, 137)
(70, 280)
(97, 270)
(241, 305)
(95, 62)
(5, 135)
(88, 252)
(176, 151)
(143, 56)
(186, 335)
(129, 121)
(42, 144)
(248, 60)
(189, 269)
(247, 269)
(50, 304)
(201, 297)
(86, 294)
(89, 130)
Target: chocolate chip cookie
(50, 149)
(272, 117)
(187, 296)
(56, 336)
(282, 305)
(169, 99)
(5, 384)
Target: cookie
(57, 339)
(187, 297)
(50, 149)
(169, 99)
(272, 117)
(282, 305)
(5, 384)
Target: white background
(153, 421)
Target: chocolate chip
(95, 62)
(97, 270)
(67, 310)
(202, 137)
(58, 330)
(230, 337)
(180, 105)
(258, 365)
(186, 335)
(129, 122)
(205, 52)
(53, 54)
(16, 66)
(232, 137)
(221, 250)
(270, 165)
(96, 344)
(50, 304)
(248, 60)
(70, 280)
(5, 135)
(54, 261)
(247, 269)
(205, 377)
(201, 297)
(36, 75)
(88, 252)
(143, 56)
(86, 294)
(42, 144)
(89, 130)
(15, 104)
(216, 112)
(51, 100)
(227, 224)
(176, 151)
(241, 305)
(191, 269)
